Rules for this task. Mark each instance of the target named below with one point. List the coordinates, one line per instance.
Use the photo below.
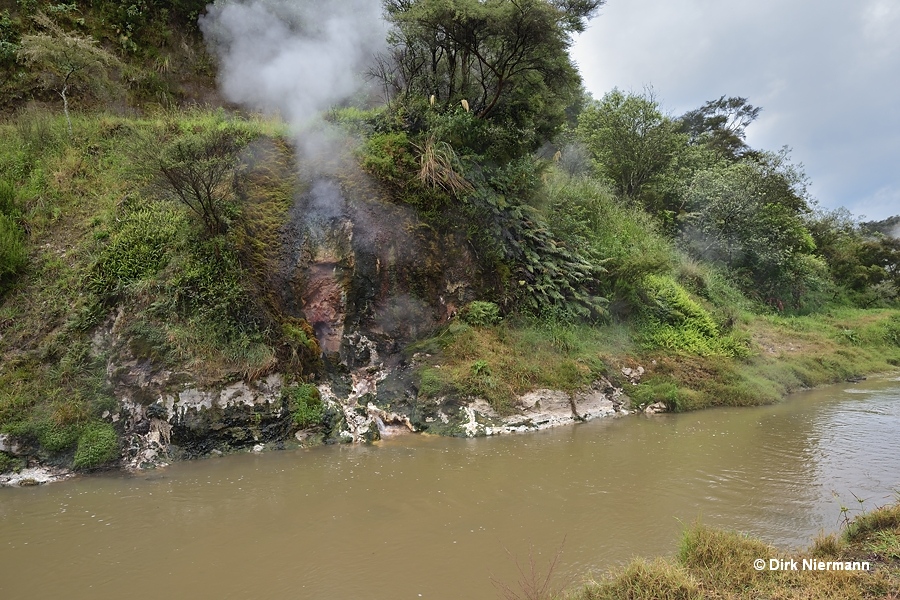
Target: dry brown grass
(718, 565)
(438, 168)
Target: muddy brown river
(438, 518)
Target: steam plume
(295, 57)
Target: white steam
(297, 57)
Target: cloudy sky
(826, 72)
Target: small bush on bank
(10, 463)
(97, 445)
(305, 404)
(722, 557)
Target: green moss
(98, 444)
(389, 157)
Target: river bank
(377, 402)
(862, 561)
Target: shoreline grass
(717, 564)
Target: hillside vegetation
(606, 232)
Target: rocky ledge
(34, 476)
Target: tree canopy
(721, 125)
(67, 61)
(503, 60)
(630, 140)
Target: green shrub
(210, 283)
(10, 463)
(98, 444)
(12, 248)
(305, 404)
(57, 438)
(480, 313)
(670, 319)
(584, 213)
(389, 156)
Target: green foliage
(480, 313)
(12, 249)
(305, 404)
(389, 156)
(669, 302)
(747, 216)
(659, 389)
(36, 132)
(544, 275)
(431, 383)
(865, 263)
(631, 141)
(300, 338)
(721, 125)
(98, 444)
(53, 437)
(197, 168)
(584, 214)
(671, 319)
(67, 62)
(9, 463)
(139, 248)
(8, 204)
(9, 42)
(504, 61)
(209, 283)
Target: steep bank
(321, 307)
(136, 336)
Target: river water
(438, 518)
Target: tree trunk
(65, 100)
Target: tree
(197, 168)
(66, 61)
(748, 216)
(631, 141)
(503, 60)
(721, 125)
